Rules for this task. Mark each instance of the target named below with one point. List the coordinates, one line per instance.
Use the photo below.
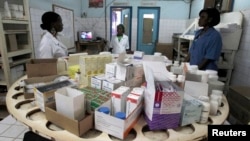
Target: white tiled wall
(240, 75)
(35, 15)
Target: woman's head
(120, 29)
(52, 21)
(209, 17)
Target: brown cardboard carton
(166, 49)
(41, 67)
(74, 126)
(12, 42)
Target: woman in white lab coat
(50, 45)
(119, 43)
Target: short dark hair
(212, 13)
(48, 18)
(122, 26)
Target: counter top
(25, 111)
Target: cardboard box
(162, 97)
(166, 49)
(41, 67)
(96, 81)
(75, 127)
(115, 126)
(118, 99)
(110, 70)
(138, 55)
(134, 82)
(12, 42)
(46, 94)
(30, 83)
(124, 72)
(193, 77)
(132, 103)
(111, 84)
(70, 102)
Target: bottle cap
(104, 110)
(120, 115)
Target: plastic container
(120, 115)
(104, 110)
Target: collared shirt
(50, 47)
(207, 46)
(119, 46)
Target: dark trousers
(31, 136)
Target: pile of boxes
(113, 97)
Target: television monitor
(85, 36)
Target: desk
(24, 111)
(92, 47)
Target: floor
(12, 130)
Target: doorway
(121, 15)
(147, 29)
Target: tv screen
(85, 35)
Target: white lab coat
(119, 46)
(50, 47)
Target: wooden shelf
(16, 43)
(19, 52)
(225, 66)
(16, 21)
(16, 31)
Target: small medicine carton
(96, 81)
(134, 99)
(115, 126)
(111, 84)
(118, 99)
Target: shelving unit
(230, 28)
(221, 5)
(225, 66)
(16, 45)
(181, 46)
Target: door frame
(130, 23)
(158, 26)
